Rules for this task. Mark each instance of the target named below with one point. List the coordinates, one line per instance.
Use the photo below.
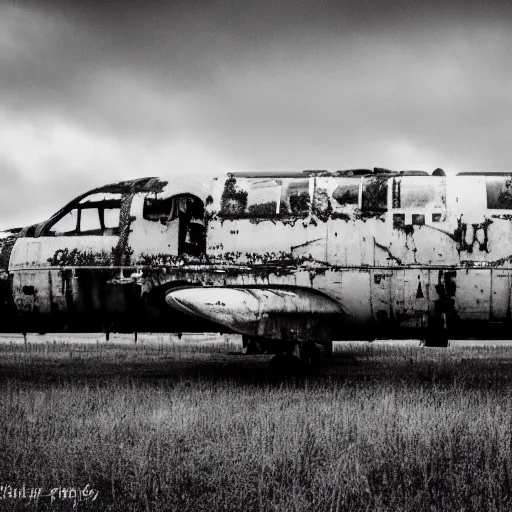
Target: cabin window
(347, 194)
(156, 209)
(399, 220)
(499, 192)
(233, 200)
(264, 198)
(90, 222)
(66, 225)
(419, 192)
(418, 219)
(295, 197)
(375, 194)
(164, 210)
(252, 198)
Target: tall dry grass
(379, 429)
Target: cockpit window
(111, 218)
(90, 222)
(95, 215)
(100, 198)
(65, 226)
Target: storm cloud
(94, 92)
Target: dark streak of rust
(503, 216)
(122, 252)
(385, 249)
(293, 247)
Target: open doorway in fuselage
(188, 210)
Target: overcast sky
(96, 92)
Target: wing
(292, 313)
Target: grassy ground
(160, 426)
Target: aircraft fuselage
(369, 255)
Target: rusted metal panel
(244, 211)
(500, 295)
(38, 253)
(381, 302)
(473, 294)
(416, 224)
(348, 246)
(410, 295)
(351, 289)
(280, 279)
(250, 238)
(302, 278)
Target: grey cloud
(13, 195)
(268, 84)
(25, 200)
(450, 97)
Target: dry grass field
(163, 425)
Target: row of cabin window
(288, 197)
(417, 219)
(418, 192)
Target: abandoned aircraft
(289, 260)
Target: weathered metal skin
(393, 251)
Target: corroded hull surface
(377, 301)
(393, 253)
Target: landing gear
(302, 358)
(256, 345)
(311, 355)
(291, 357)
(285, 365)
(436, 338)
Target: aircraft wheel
(285, 365)
(328, 349)
(254, 345)
(311, 356)
(436, 339)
